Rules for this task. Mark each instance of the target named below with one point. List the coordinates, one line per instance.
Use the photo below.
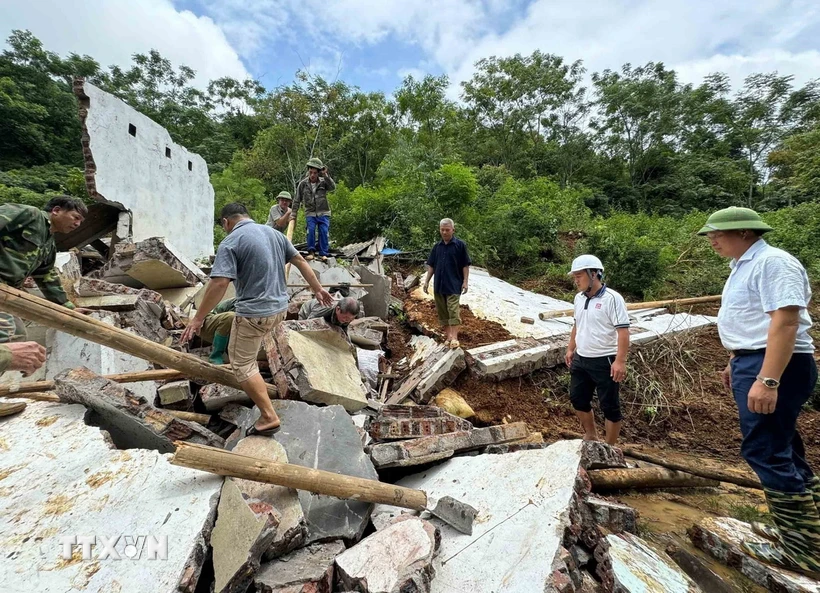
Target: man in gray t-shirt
(253, 256)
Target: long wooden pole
(289, 234)
(38, 386)
(646, 477)
(33, 308)
(235, 465)
(698, 469)
(633, 306)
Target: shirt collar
(600, 292)
(242, 223)
(750, 253)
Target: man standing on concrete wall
(312, 193)
(450, 262)
(253, 257)
(280, 212)
(27, 248)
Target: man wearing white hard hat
(598, 345)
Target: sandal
(455, 344)
(268, 432)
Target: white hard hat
(586, 262)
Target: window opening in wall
(132, 129)
(190, 166)
(168, 152)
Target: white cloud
(111, 31)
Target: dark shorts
(588, 375)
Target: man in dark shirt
(450, 262)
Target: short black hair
(233, 209)
(66, 203)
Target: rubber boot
(814, 488)
(770, 532)
(798, 527)
(218, 349)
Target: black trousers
(588, 375)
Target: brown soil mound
(473, 332)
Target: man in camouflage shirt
(312, 194)
(27, 248)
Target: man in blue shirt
(253, 257)
(450, 262)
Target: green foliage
(797, 230)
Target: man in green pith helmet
(763, 321)
(279, 215)
(312, 194)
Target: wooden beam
(646, 477)
(27, 306)
(634, 306)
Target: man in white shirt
(598, 345)
(764, 324)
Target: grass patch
(748, 513)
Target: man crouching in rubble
(253, 256)
(598, 345)
(338, 316)
(27, 248)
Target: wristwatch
(769, 382)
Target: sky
(374, 44)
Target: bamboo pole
(235, 465)
(633, 306)
(289, 234)
(697, 469)
(33, 308)
(340, 284)
(646, 477)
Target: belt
(748, 352)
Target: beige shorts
(447, 308)
(246, 338)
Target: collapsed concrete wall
(131, 161)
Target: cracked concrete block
(408, 422)
(243, 531)
(61, 477)
(426, 449)
(324, 438)
(721, 538)
(638, 569)
(517, 357)
(153, 263)
(377, 300)
(599, 455)
(131, 421)
(94, 287)
(307, 570)
(176, 392)
(616, 517)
(215, 396)
(434, 367)
(292, 529)
(523, 501)
(397, 558)
(323, 366)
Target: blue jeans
(323, 224)
(771, 444)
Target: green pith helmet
(315, 163)
(284, 195)
(734, 219)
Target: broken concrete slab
(175, 393)
(94, 287)
(130, 419)
(243, 531)
(616, 517)
(215, 397)
(338, 275)
(153, 263)
(434, 367)
(180, 296)
(307, 570)
(292, 529)
(524, 502)
(323, 365)
(721, 537)
(377, 300)
(408, 422)
(61, 478)
(410, 282)
(638, 569)
(324, 438)
(65, 351)
(426, 449)
(517, 357)
(599, 455)
(112, 302)
(397, 558)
